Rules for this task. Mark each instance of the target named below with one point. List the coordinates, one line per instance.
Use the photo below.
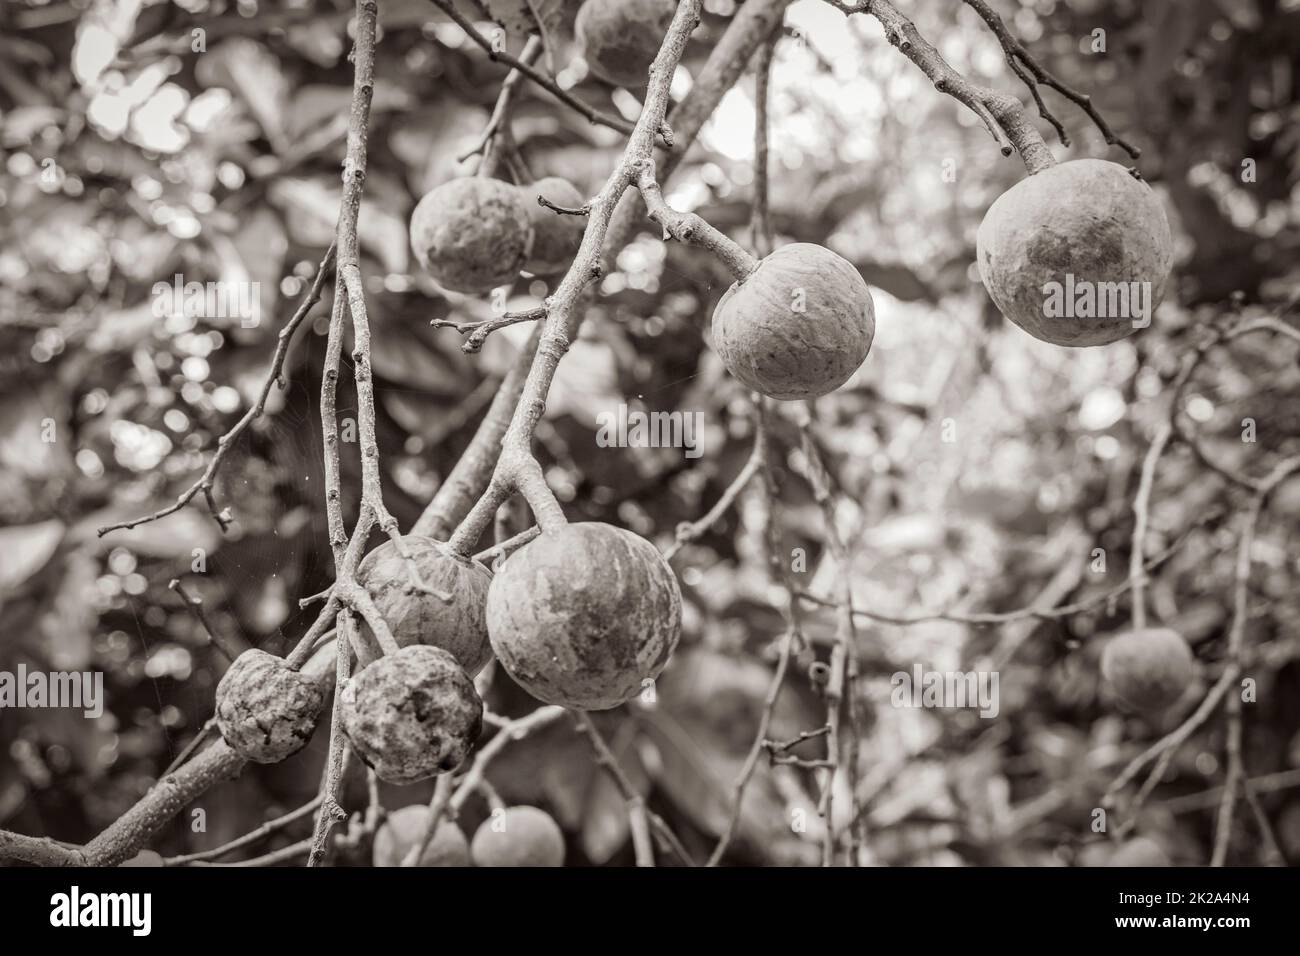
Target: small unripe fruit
(798, 326)
(620, 38)
(518, 836)
(556, 236)
(265, 710)
(584, 614)
(412, 715)
(403, 829)
(1149, 669)
(458, 626)
(471, 234)
(1057, 250)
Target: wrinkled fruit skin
(798, 326)
(471, 234)
(556, 237)
(583, 614)
(619, 38)
(412, 715)
(403, 828)
(265, 711)
(518, 836)
(1150, 669)
(1089, 219)
(458, 626)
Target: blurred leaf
(318, 40)
(248, 68)
(693, 777)
(605, 826)
(35, 437)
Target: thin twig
(517, 470)
(689, 227)
(190, 748)
(507, 547)
(331, 812)
(283, 855)
(450, 795)
(228, 650)
(253, 836)
(496, 123)
(471, 476)
(1019, 614)
(636, 808)
(1032, 73)
(1141, 515)
(476, 333)
(689, 531)
(274, 377)
(840, 689)
(760, 222)
(592, 114)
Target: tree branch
(1032, 73)
(274, 377)
(1000, 112)
(516, 468)
(592, 114)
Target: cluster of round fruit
(583, 616)
(511, 836)
(1077, 254)
(473, 233)
(619, 38)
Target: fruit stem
(688, 227)
(531, 483)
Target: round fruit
(1139, 851)
(266, 710)
(518, 836)
(1077, 254)
(584, 614)
(403, 829)
(1149, 669)
(798, 326)
(458, 626)
(620, 38)
(556, 236)
(471, 234)
(144, 858)
(412, 715)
